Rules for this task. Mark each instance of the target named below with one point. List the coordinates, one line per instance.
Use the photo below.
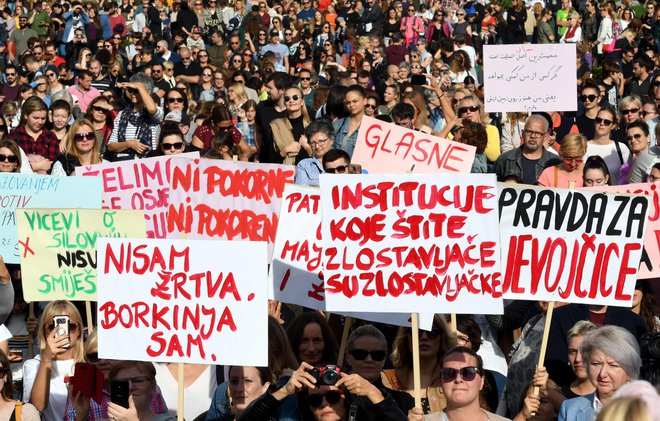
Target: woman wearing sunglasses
(43, 376)
(614, 154)
(83, 148)
(590, 98)
(461, 375)
(288, 131)
(317, 402)
(10, 156)
(472, 108)
(171, 140)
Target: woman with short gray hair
(319, 135)
(611, 355)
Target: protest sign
(570, 245)
(187, 301)
(141, 184)
(529, 77)
(650, 263)
(58, 249)
(411, 243)
(297, 270)
(40, 191)
(226, 200)
(385, 148)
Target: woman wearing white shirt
(614, 154)
(605, 35)
(574, 32)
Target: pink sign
(649, 266)
(385, 148)
(140, 184)
(226, 200)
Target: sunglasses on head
(170, 146)
(79, 137)
(362, 354)
(471, 109)
(603, 121)
(12, 159)
(316, 400)
(467, 373)
(589, 98)
(293, 97)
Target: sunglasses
(471, 109)
(340, 169)
(630, 111)
(371, 106)
(79, 137)
(12, 159)
(172, 100)
(207, 74)
(573, 160)
(202, 56)
(99, 109)
(645, 113)
(3, 128)
(293, 97)
(170, 146)
(362, 354)
(636, 136)
(305, 78)
(316, 400)
(603, 121)
(73, 327)
(92, 357)
(467, 373)
(590, 98)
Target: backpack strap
(16, 414)
(618, 151)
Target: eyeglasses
(262, 35)
(362, 354)
(467, 373)
(603, 121)
(99, 109)
(316, 400)
(371, 106)
(288, 34)
(573, 160)
(293, 97)
(237, 61)
(207, 74)
(304, 79)
(318, 142)
(590, 98)
(170, 146)
(172, 100)
(202, 55)
(644, 113)
(533, 133)
(465, 110)
(12, 159)
(169, 69)
(636, 136)
(340, 169)
(630, 111)
(79, 137)
(73, 327)
(10, 74)
(92, 357)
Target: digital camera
(326, 376)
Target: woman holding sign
(60, 341)
(611, 354)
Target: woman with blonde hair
(43, 376)
(236, 97)
(83, 148)
(568, 174)
(417, 100)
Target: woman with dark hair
(391, 25)
(312, 340)
(515, 23)
(471, 133)
(101, 114)
(9, 407)
(303, 55)
(219, 120)
(10, 156)
(176, 99)
(333, 108)
(644, 304)
(288, 132)
(595, 172)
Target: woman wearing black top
(391, 25)
(515, 20)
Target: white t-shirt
(198, 395)
(58, 391)
(610, 155)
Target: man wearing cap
(18, 42)
(281, 52)
(195, 39)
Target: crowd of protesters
(289, 82)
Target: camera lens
(330, 377)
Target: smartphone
(84, 380)
(119, 392)
(62, 327)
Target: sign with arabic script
(530, 77)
